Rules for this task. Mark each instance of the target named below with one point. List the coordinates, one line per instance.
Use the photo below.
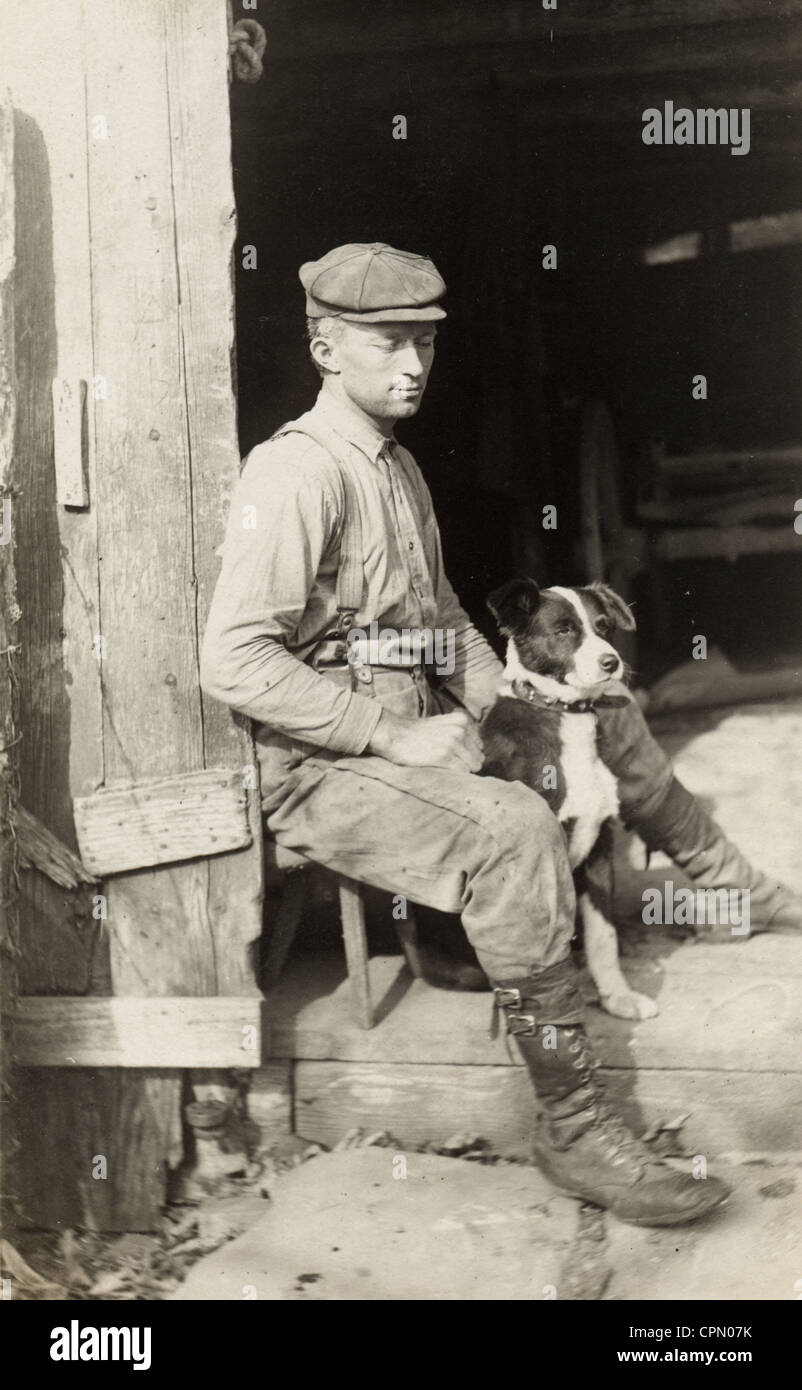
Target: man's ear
(513, 603)
(323, 355)
(616, 611)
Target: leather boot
(684, 831)
(580, 1143)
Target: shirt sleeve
(477, 669)
(282, 520)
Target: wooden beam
(9, 704)
(162, 821)
(206, 228)
(733, 1110)
(40, 849)
(59, 1031)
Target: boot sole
(669, 1218)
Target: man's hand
(442, 740)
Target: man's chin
(400, 408)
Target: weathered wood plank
(69, 436)
(40, 849)
(270, 1101)
(93, 1032)
(51, 237)
(415, 1103)
(162, 820)
(733, 1112)
(720, 1008)
(9, 713)
(59, 679)
(205, 215)
(73, 1118)
(148, 431)
(162, 940)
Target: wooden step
(725, 1047)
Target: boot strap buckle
(521, 1023)
(508, 998)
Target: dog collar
(522, 690)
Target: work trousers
(489, 850)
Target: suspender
(350, 576)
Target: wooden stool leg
(285, 925)
(407, 931)
(352, 917)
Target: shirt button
(412, 545)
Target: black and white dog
(542, 732)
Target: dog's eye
(602, 627)
(563, 629)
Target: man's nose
(609, 663)
(409, 363)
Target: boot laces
(623, 1145)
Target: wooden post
(9, 915)
(126, 211)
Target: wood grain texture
(162, 820)
(270, 1101)
(9, 747)
(63, 1032)
(161, 289)
(735, 1112)
(46, 708)
(135, 1127)
(40, 849)
(69, 438)
(196, 54)
(733, 1006)
(161, 940)
(414, 1103)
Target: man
(362, 770)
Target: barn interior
(523, 129)
(574, 387)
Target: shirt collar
(354, 426)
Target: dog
(542, 731)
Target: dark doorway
(515, 142)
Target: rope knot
(246, 44)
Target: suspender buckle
(507, 998)
(345, 621)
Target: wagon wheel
(602, 530)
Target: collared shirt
(275, 598)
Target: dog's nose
(609, 663)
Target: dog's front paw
(629, 1004)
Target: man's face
(384, 367)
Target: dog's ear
(616, 611)
(513, 603)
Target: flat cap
(369, 283)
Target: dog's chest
(591, 795)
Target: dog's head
(562, 634)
